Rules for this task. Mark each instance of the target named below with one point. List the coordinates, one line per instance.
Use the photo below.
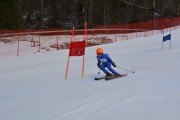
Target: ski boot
(118, 75)
(108, 75)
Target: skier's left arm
(110, 60)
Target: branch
(135, 5)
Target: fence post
(18, 42)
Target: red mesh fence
(110, 29)
(149, 25)
(39, 41)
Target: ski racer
(105, 61)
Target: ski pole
(99, 71)
(126, 69)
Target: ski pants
(108, 65)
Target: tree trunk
(90, 14)
(42, 12)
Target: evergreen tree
(9, 15)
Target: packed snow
(33, 86)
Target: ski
(114, 77)
(109, 78)
(99, 78)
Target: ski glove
(113, 64)
(98, 64)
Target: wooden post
(85, 25)
(18, 43)
(39, 43)
(67, 67)
(57, 40)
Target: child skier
(105, 61)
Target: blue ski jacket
(104, 59)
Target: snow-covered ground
(32, 87)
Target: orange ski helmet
(99, 51)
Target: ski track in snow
(46, 65)
(95, 103)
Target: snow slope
(33, 87)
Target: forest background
(36, 14)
